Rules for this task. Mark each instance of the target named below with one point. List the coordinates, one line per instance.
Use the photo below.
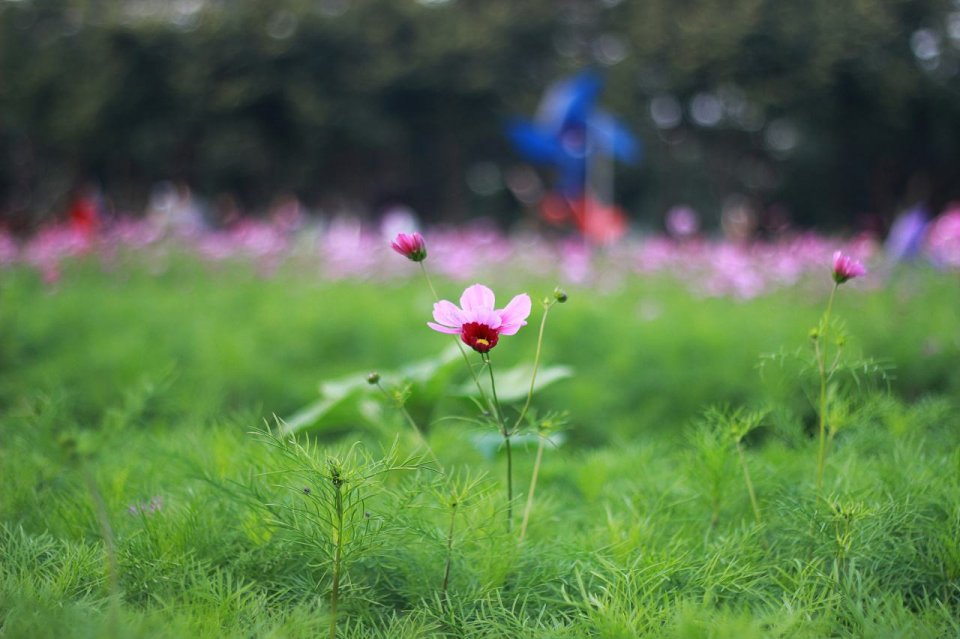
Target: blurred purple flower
(682, 221)
(906, 235)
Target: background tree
(824, 109)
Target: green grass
(123, 386)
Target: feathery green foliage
(642, 523)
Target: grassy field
(144, 497)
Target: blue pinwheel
(569, 131)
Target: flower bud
(373, 378)
(410, 246)
(846, 268)
(560, 295)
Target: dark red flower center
(479, 337)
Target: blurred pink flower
(9, 252)
(410, 246)
(943, 238)
(477, 322)
(846, 268)
(343, 249)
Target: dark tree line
(828, 109)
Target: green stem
(337, 558)
(746, 479)
(106, 530)
(446, 572)
(822, 369)
(497, 412)
(523, 413)
(822, 452)
(533, 488)
(498, 415)
(833, 293)
(426, 276)
(536, 364)
(506, 442)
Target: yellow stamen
(483, 342)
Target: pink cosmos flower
(846, 268)
(410, 246)
(477, 323)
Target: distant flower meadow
(348, 249)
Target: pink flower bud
(846, 268)
(410, 246)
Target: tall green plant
(331, 491)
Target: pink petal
(444, 329)
(448, 314)
(514, 314)
(485, 316)
(477, 296)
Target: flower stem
(506, 442)
(498, 415)
(106, 531)
(824, 375)
(523, 413)
(533, 488)
(536, 364)
(426, 276)
(746, 479)
(497, 412)
(337, 557)
(446, 571)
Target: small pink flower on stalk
(846, 268)
(410, 246)
(478, 323)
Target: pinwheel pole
(598, 178)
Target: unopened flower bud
(560, 295)
(410, 246)
(846, 268)
(373, 378)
